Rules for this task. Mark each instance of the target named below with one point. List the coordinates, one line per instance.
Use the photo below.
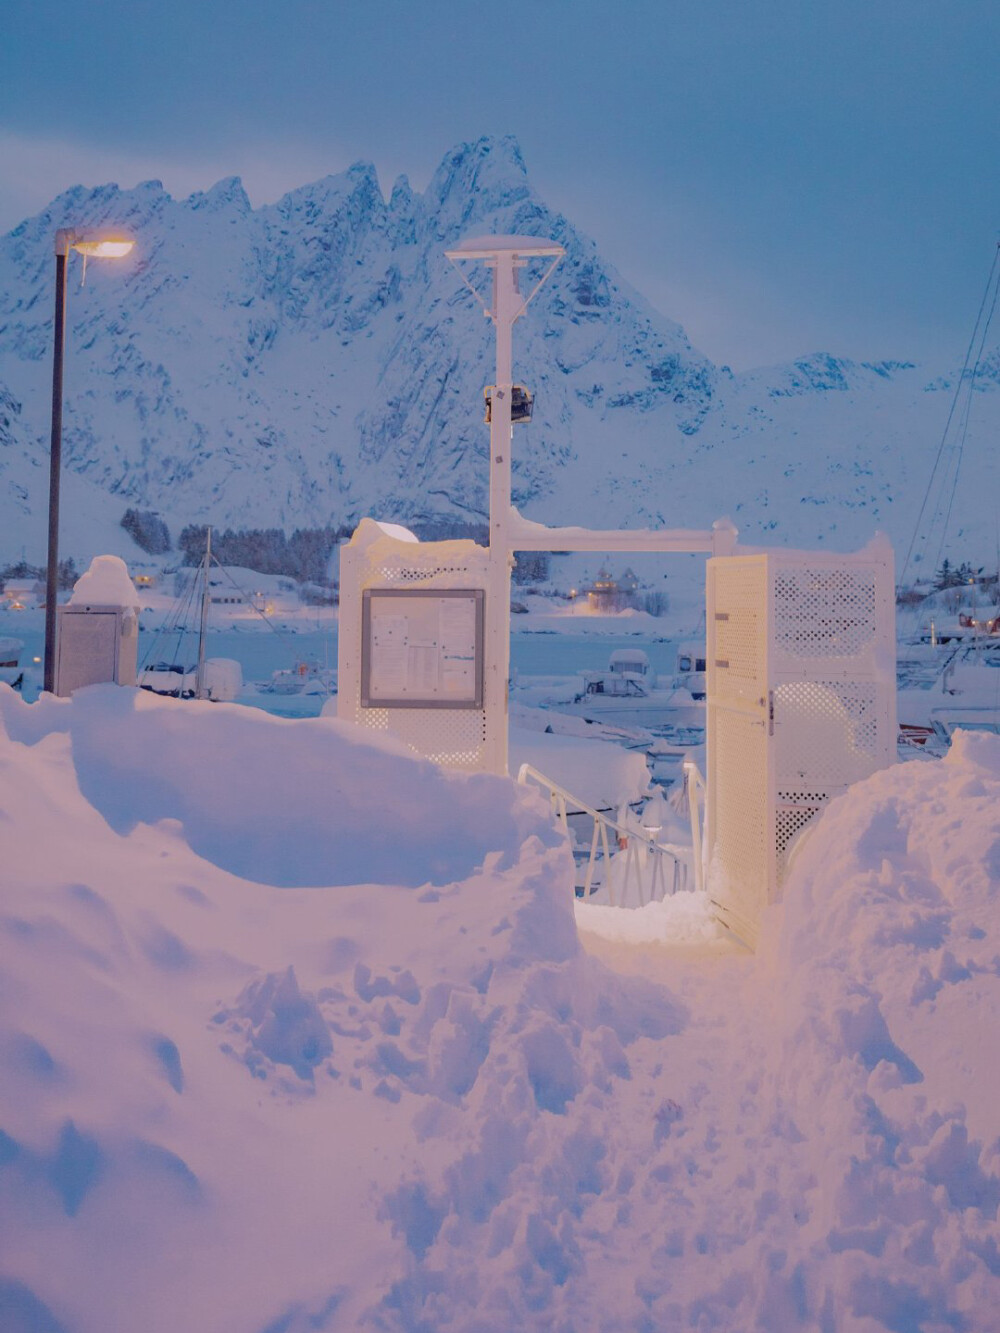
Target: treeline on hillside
(953, 579)
(147, 530)
(305, 555)
(953, 576)
(22, 571)
(450, 530)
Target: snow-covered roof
(623, 656)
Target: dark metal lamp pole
(102, 245)
(63, 242)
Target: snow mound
(603, 776)
(685, 918)
(235, 1105)
(105, 583)
(886, 1012)
(276, 801)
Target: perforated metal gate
(376, 560)
(801, 703)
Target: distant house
(223, 593)
(608, 594)
(20, 594)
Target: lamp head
(93, 244)
(653, 814)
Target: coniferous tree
(148, 530)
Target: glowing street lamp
(90, 244)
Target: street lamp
(91, 244)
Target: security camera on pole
(505, 255)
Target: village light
(98, 245)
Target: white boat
(626, 694)
(302, 678)
(11, 672)
(958, 687)
(691, 668)
(221, 677)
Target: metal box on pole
(94, 645)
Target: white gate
(452, 720)
(801, 703)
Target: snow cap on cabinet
(106, 583)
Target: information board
(422, 648)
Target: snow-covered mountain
(318, 359)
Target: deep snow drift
(296, 1033)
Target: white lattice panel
(801, 655)
(827, 732)
(825, 610)
(790, 821)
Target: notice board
(422, 648)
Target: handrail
(693, 782)
(628, 839)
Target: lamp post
(100, 245)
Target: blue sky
(779, 177)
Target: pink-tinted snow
(296, 1033)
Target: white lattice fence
(801, 703)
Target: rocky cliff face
(319, 359)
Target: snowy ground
(298, 1033)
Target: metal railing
(637, 853)
(694, 784)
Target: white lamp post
(504, 255)
(100, 245)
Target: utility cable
(966, 414)
(934, 477)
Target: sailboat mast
(200, 691)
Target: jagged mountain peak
(476, 180)
(227, 193)
(325, 197)
(316, 359)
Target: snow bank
(685, 918)
(278, 802)
(886, 1008)
(242, 1092)
(603, 776)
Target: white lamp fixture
(652, 813)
